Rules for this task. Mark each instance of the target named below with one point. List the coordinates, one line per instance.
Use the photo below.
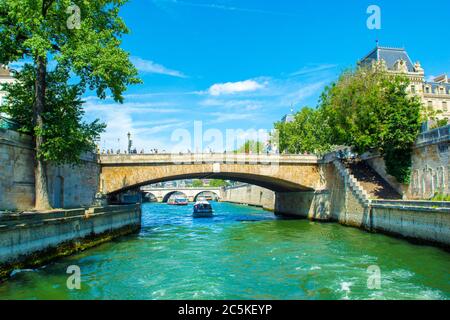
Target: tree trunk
(40, 173)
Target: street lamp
(130, 142)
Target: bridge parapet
(199, 158)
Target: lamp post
(130, 142)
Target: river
(242, 253)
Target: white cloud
(148, 66)
(144, 137)
(235, 87)
(313, 69)
(136, 118)
(298, 95)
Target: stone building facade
(434, 93)
(5, 77)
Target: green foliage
(440, 197)
(66, 136)
(308, 132)
(89, 56)
(217, 183)
(197, 183)
(371, 110)
(438, 123)
(251, 146)
(39, 28)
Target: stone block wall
(425, 222)
(314, 205)
(348, 201)
(69, 186)
(430, 171)
(249, 194)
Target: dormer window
(427, 89)
(400, 65)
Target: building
(289, 118)
(5, 77)
(434, 93)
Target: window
(444, 106)
(442, 90)
(430, 103)
(427, 89)
(413, 89)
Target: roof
(288, 118)
(390, 56)
(435, 85)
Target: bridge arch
(206, 191)
(150, 197)
(172, 193)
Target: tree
(66, 136)
(197, 183)
(84, 40)
(308, 132)
(371, 110)
(217, 183)
(251, 146)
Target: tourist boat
(203, 209)
(178, 201)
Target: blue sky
(241, 64)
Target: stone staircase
(353, 183)
(370, 181)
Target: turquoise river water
(241, 253)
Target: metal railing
(434, 136)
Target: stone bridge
(163, 194)
(280, 173)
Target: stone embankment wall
(69, 186)
(249, 195)
(419, 221)
(430, 172)
(32, 239)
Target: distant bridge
(164, 194)
(281, 173)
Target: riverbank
(29, 240)
(423, 222)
